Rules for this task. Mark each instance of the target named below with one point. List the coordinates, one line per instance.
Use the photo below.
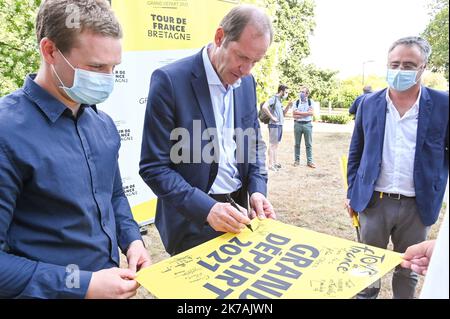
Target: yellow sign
(145, 212)
(274, 261)
(155, 25)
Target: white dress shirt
(399, 150)
(227, 179)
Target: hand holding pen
(224, 217)
(233, 203)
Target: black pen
(233, 203)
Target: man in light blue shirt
(303, 116)
(227, 180)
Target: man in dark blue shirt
(63, 212)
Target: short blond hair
(63, 20)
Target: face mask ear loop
(421, 74)
(54, 70)
(59, 79)
(66, 60)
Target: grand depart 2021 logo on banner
(168, 27)
(162, 25)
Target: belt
(223, 199)
(393, 196)
(303, 122)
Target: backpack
(263, 116)
(309, 103)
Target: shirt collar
(51, 106)
(211, 75)
(414, 107)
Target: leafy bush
(19, 52)
(336, 119)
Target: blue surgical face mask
(302, 97)
(401, 80)
(88, 87)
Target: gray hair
(367, 89)
(239, 17)
(419, 42)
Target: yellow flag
(275, 261)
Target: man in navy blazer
(398, 159)
(194, 152)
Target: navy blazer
(179, 95)
(354, 107)
(431, 158)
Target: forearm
(170, 186)
(24, 278)
(126, 227)
(303, 114)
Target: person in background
(303, 115)
(274, 108)
(354, 107)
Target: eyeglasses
(406, 66)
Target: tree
(294, 23)
(435, 80)
(266, 72)
(437, 35)
(321, 83)
(19, 53)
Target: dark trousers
(396, 219)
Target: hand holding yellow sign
(274, 261)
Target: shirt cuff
(127, 237)
(57, 282)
